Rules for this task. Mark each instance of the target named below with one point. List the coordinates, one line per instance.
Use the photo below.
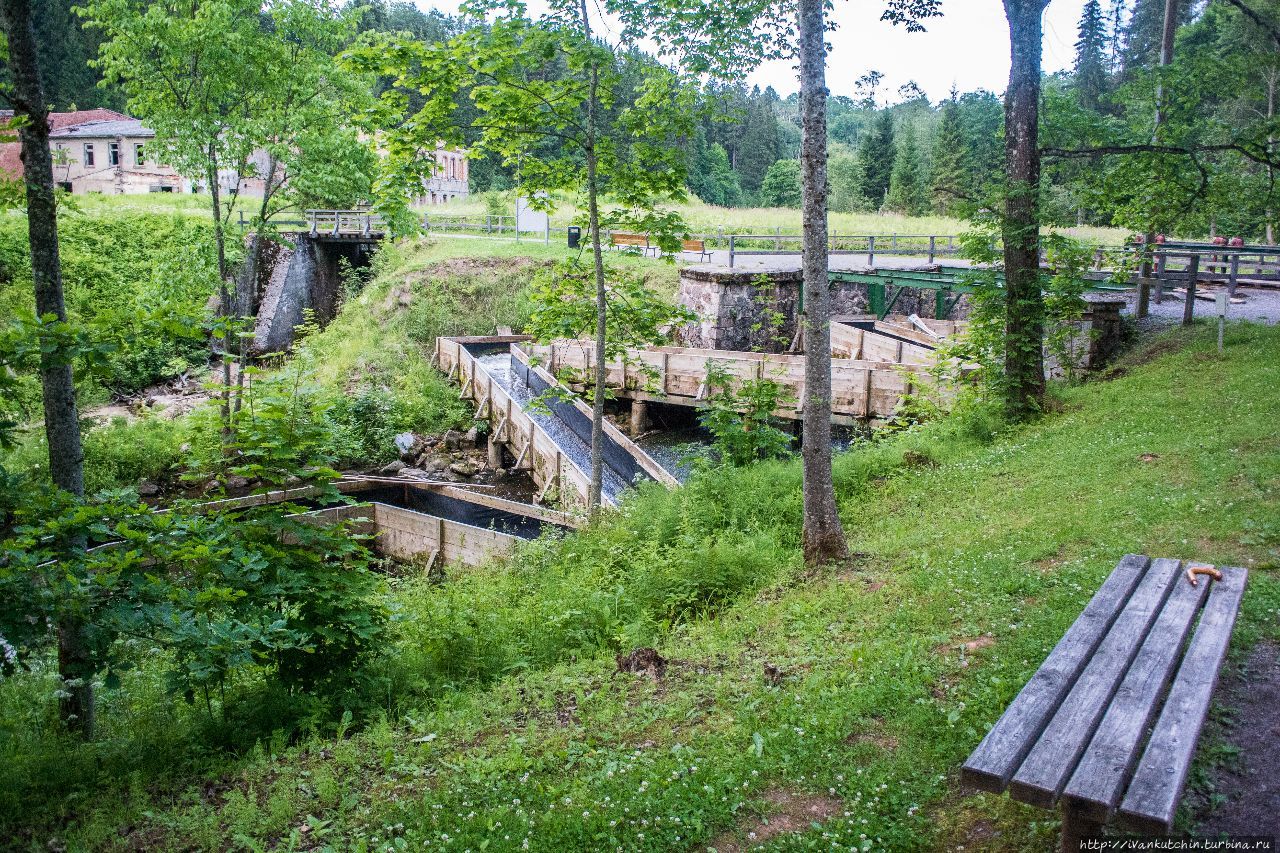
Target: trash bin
(575, 236)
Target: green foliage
(135, 284)
(876, 156)
(846, 184)
(564, 299)
(740, 417)
(950, 175)
(781, 186)
(711, 177)
(292, 134)
(906, 184)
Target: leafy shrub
(136, 281)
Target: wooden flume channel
(554, 471)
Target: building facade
(450, 178)
(103, 151)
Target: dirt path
(1242, 796)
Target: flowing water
(498, 366)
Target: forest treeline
(899, 151)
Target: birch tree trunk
(1024, 301)
(823, 535)
(61, 418)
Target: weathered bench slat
(1099, 781)
(1050, 762)
(996, 759)
(1157, 784)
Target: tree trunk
(1273, 77)
(823, 536)
(1024, 301)
(602, 301)
(228, 308)
(61, 419)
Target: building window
(88, 153)
(113, 153)
(139, 154)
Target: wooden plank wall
(405, 534)
(862, 388)
(533, 449)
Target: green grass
(705, 218)
(504, 719)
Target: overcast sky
(968, 46)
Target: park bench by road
(641, 241)
(1080, 733)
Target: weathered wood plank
(1153, 794)
(1099, 781)
(994, 762)
(1045, 770)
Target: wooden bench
(699, 246)
(1080, 733)
(624, 239)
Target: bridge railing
(345, 223)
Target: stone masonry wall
(755, 311)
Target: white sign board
(528, 219)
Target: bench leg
(1075, 828)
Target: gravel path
(1261, 305)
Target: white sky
(968, 46)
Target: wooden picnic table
(1080, 734)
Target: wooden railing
(345, 223)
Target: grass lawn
(705, 218)
(839, 702)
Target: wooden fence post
(933, 245)
(1234, 275)
(1189, 307)
(871, 251)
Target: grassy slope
(879, 700)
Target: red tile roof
(11, 152)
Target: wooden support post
(495, 453)
(1234, 275)
(466, 387)
(665, 364)
(1075, 828)
(871, 251)
(933, 246)
(497, 433)
(484, 401)
(523, 452)
(1159, 276)
(639, 417)
(1189, 307)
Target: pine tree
(906, 191)
(1090, 82)
(1115, 34)
(710, 176)
(876, 157)
(759, 148)
(950, 166)
(1144, 31)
